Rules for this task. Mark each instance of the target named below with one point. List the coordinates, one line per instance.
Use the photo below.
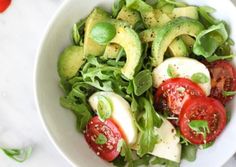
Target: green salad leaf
(142, 82)
(138, 5)
(101, 139)
(216, 57)
(200, 78)
(205, 15)
(164, 162)
(229, 93)
(104, 108)
(189, 152)
(78, 32)
(117, 6)
(125, 151)
(147, 138)
(178, 4)
(171, 71)
(209, 40)
(19, 155)
(200, 127)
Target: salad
(149, 82)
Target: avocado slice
(127, 38)
(169, 32)
(70, 61)
(178, 48)
(111, 52)
(129, 15)
(90, 46)
(189, 11)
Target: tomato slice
(206, 109)
(106, 147)
(172, 94)
(223, 76)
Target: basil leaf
(101, 139)
(138, 5)
(200, 127)
(189, 152)
(104, 108)
(117, 6)
(229, 93)
(209, 40)
(142, 82)
(199, 78)
(19, 155)
(171, 71)
(103, 32)
(165, 162)
(215, 58)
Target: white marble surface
(21, 28)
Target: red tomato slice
(172, 94)
(95, 128)
(206, 109)
(4, 4)
(223, 76)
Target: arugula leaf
(229, 93)
(142, 82)
(178, 4)
(147, 139)
(104, 108)
(145, 160)
(209, 40)
(189, 152)
(165, 162)
(125, 151)
(215, 58)
(19, 155)
(200, 127)
(204, 12)
(200, 78)
(119, 161)
(78, 32)
(117, 6)
(171, 71)
(81, 111)
(206, 145)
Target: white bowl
(60, 123)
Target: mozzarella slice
(168, 146)
(121, 114)
(185, 68)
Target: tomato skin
(223, 76)
(168, 97)
(107, 151)
(4, 4)
(202, 108)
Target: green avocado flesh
(167, 33)
(69, 62)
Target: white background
(21, 28)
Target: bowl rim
(35, 83)
(44, 123)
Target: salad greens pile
(103, 72)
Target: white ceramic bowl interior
(60, 123)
